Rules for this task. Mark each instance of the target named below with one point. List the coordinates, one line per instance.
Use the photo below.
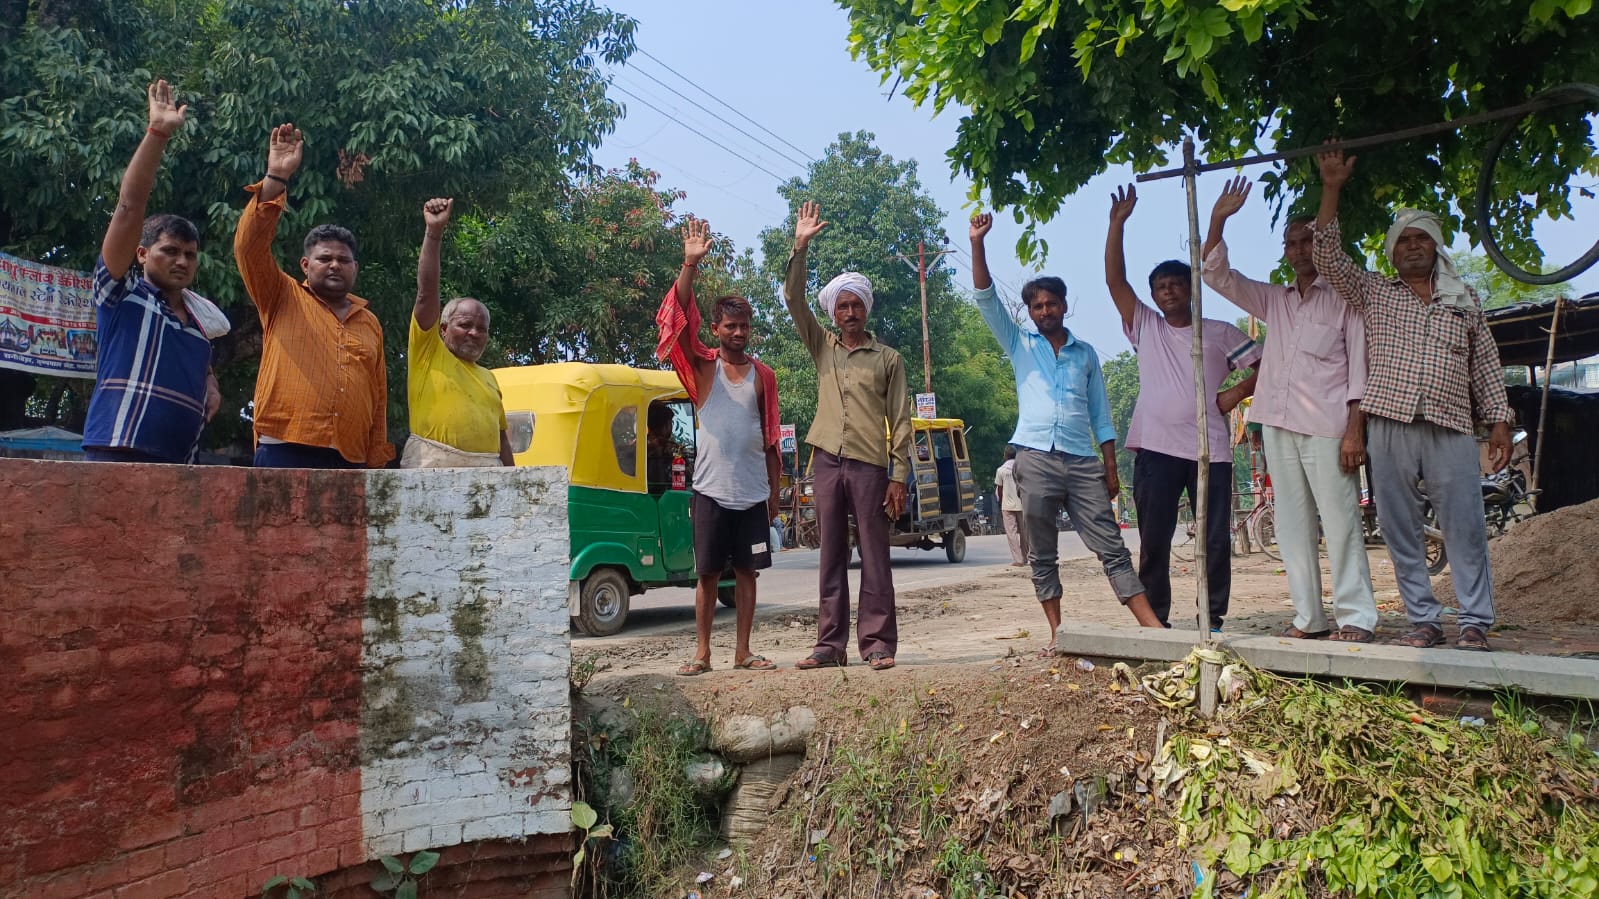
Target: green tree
(1496, 288)
(1058, 92)
(399, 101)
(1121, 388)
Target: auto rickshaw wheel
(955, 545)
(602, 603)
(724, 595)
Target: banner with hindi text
(47, 319)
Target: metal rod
(1543, 404)
(1372, 141)
(1201, 409)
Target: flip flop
(756, 663)
(694, 668)
(1352, 634)
(880, 661)
(1294, 633)
(1421, 637)
(1048, 652)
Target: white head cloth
(1447, 286)
(851, 282)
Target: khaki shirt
(860, 392)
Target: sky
(786, 66)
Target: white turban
(849, 282)
(1447, 286)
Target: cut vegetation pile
(1297, 790)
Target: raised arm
(121, 242)
(995, 315)
(1219, 275)
(807, 224)
(1349, 280)
(252, 242)
(696, 245)
(435, 218)
(1121, 206)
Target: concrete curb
(1538, 675)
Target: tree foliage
(1058, 92)
(399, 101)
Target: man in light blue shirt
(1062, 415)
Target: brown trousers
(845, 487)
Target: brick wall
(220, 674)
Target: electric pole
(921, 273)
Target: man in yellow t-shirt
(457, 414)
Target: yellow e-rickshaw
(630, 528)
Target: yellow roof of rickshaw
(576, 380)
(933, 424)
(577, 408)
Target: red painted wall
(182, 649)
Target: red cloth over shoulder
(679, 320)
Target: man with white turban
(860, 393)
(1433, 369)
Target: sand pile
(1545, 569)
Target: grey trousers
(1403, 453)
(1047, 481)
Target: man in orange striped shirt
(321, 398)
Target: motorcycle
(1506, 500)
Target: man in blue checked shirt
(1063, 413)
(154, 390)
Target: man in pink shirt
(1308, 404)
(1163, 431)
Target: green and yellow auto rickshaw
(628, 501)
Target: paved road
(789, 586)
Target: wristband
(158, 132)
(278, 178)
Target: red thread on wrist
(158, 132)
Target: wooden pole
(1543, 402)
(927, 346)
(1201, 400)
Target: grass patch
(634, 778)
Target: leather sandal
(1421, 637)
(1294, 633)
(1349, 633)
(880, 661)
(1473, 639)
(817, 660)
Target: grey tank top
(731, 463)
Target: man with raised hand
(322, 394)
(736, 467)
(1434, 371)
(153, 390)
(1308, 406)
(860, 393)
(1062, 415)
(1163, 431)
(457, 413)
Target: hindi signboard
(786, 439)
(926, 405)
(47, 324)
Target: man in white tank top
(736, 469)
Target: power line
(665, 106)
(707, 93)
(706, 137)
(714, 115)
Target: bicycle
(1256, 528)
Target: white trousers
(1306, 481)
